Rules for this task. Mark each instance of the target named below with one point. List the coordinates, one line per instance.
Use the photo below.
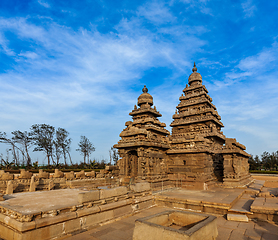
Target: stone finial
(194, 69)
(135, 107)
(144, 90)
(154, 108)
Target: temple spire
(144, 90)
(194, 69)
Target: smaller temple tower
(143, 143)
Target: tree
(113, 152)
(26, 140)
(5, 139)
(85, 148)
(258, 162)
(43, 135)
(62, 144)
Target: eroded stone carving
(25, 174)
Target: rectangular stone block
(90, 196)
(19, 226)
(140, 187)
(237, 217)
(108, 193)
(43, 222)
(113, 205)
(88, 211)
(122, 211)
(94, 219)
(49, 232)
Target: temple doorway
(132, 162)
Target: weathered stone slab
(237, 217)
(140, 187)
(108, 193)
(90, 196)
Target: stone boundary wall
(57, 180)
(94, 207)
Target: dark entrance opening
(132, 169)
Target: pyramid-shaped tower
(196, 136)
(143, 143)
(196, 145)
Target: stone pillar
(140, 159)
(10, 188)
(32, 185)
(50, 185)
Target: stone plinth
(54, 214)
(178, 225)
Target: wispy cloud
(156, 12)
(44, 3)
(249, 8)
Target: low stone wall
(178, 225)
(57, 180)
(94, 207)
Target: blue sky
(81, 65)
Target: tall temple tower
(200, 155)
(143, 143)
(196, 139)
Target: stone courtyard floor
(227, 230)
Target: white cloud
(249, 8)
(156, 12)
(44, 3)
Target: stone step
(242, 205)
(255, 187)
(237, 217)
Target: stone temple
(196, 154)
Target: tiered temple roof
(145, 129)
(196, 121)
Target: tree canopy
(85, 148)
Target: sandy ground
(270, 181)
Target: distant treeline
(267, 161)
